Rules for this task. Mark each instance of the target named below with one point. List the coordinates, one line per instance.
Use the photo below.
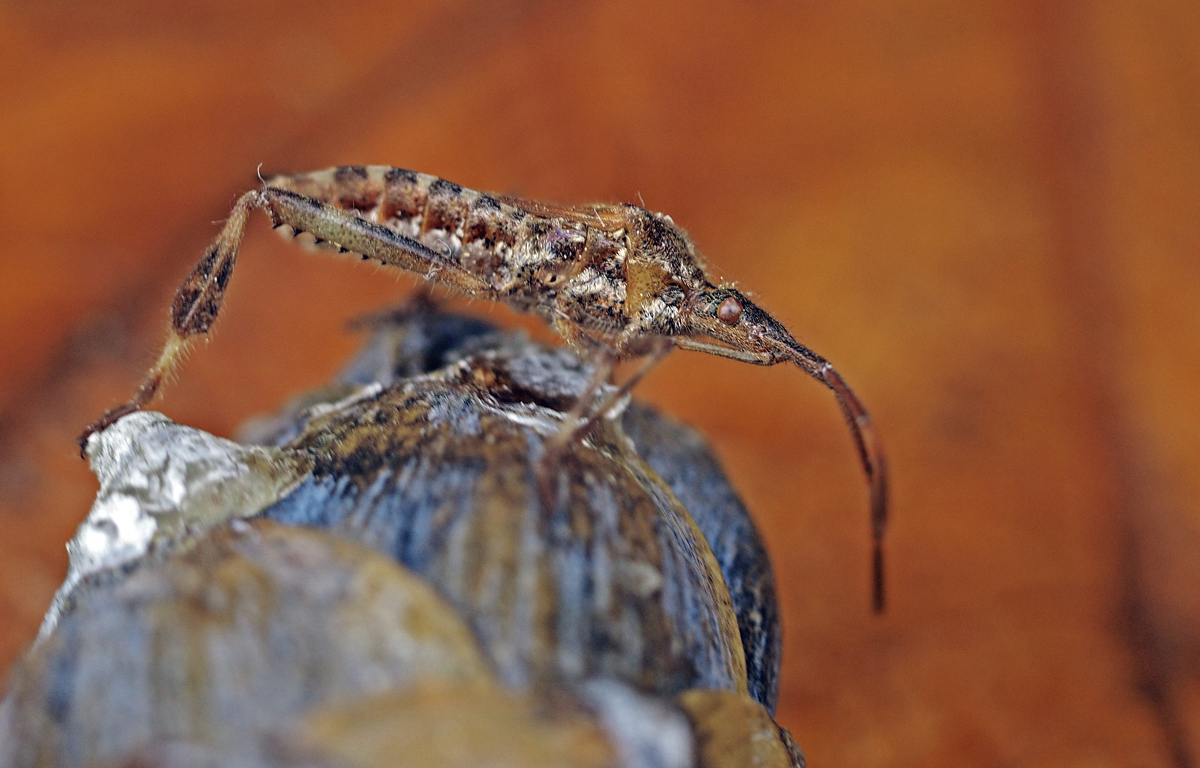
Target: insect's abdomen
(495, 240)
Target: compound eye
(730, 311)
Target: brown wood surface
(985, 213)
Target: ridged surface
(615, 580)
(417, 341)
(219, 648)
(606, 615)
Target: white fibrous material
(161, 482)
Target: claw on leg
(193, 312)
(175, 348)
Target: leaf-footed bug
(616, 280)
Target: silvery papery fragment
(160, 483)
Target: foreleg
(589, 408)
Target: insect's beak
(727, 316)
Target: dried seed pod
(224, 645)
(531, 378)
(616, 579)
(264, 645)
(423, 449)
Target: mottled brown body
(614, 279)
(604, 276)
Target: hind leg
(198, 301)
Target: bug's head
(743, 331)
(726, 316)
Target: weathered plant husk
(379, 569)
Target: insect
(615, 280)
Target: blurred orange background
(986, 214)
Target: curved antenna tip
(870, 452)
